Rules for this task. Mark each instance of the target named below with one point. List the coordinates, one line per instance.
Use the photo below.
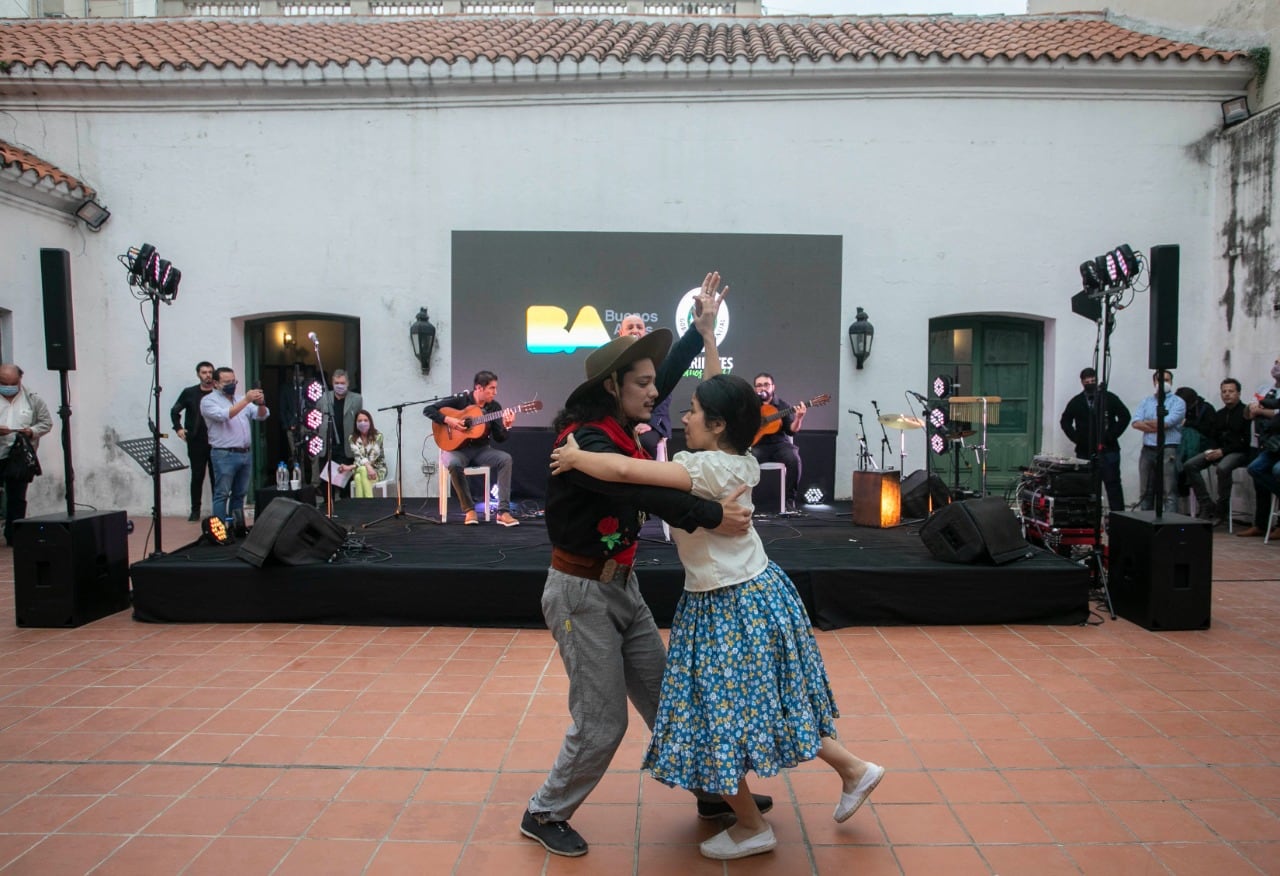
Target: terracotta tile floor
(130, 748)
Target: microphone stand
(864, 455)
(884, 436)
(328, 438)
(400, 512)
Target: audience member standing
(189, 425)
(24, 413)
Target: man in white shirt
(22, 412)
(228, 419)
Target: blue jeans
(1265, 471)
(230, 480)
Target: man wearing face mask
(227, 418)
(340, 405)
(189, 425)
(1080, 423)
(22, 412)
(1145, 421)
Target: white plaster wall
(947, 205)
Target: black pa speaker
(975, 531)
(918, 489)
(1163, 323)
(1160, 571)
(59, 326)
(68, 571)
(292, 534)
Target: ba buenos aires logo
(684, 315)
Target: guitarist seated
(776, 445)
(452, 416)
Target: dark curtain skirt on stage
(405, 571)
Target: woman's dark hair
(373, 430)
(595, 404)
(1188, 395)
(728, 399)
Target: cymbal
(961, 433)
(901, 421)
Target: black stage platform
(408, 572)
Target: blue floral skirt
(745, 687)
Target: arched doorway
(991, 356)
(279, 354)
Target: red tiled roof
(220, 42)
(21, 162)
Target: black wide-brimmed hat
(617, 355)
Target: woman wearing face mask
(22, 412)
(369, 459)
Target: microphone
(311, 336)
(918, 396)
(855, 413)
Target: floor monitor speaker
(918, 489)
(59, 327)
(68, 571)
(292, 534)
(975, 531)
(1160, 571)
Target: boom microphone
(918, 396)
(311, 336)
(855, 413)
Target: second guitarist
(779, 446)
(452, 413)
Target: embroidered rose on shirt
(608, 529)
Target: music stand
(400, 512)
(142, 451)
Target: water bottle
(295, 483)
(282, 477)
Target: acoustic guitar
(448, 438)
(771, 417)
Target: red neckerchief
(624, 441)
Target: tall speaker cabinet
(68, 571)
(1160, 571)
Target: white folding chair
(1271, 519)
(470, 471)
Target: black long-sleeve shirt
(185, 414)
(1078, 423)
(1230, 430)
(494, 429)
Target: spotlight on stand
(156, 277)
(861, 334)
(422, 336)
(1113, 271)
(942, 387)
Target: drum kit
(964, 410)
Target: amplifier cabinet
(68, 571)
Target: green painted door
(991, 356)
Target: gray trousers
(612, 652)
(1194, 469)
(1147, 476)
(466, 457)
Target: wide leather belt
(597, 569)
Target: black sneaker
(195, 515)
(719, 807)
(557, 837)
